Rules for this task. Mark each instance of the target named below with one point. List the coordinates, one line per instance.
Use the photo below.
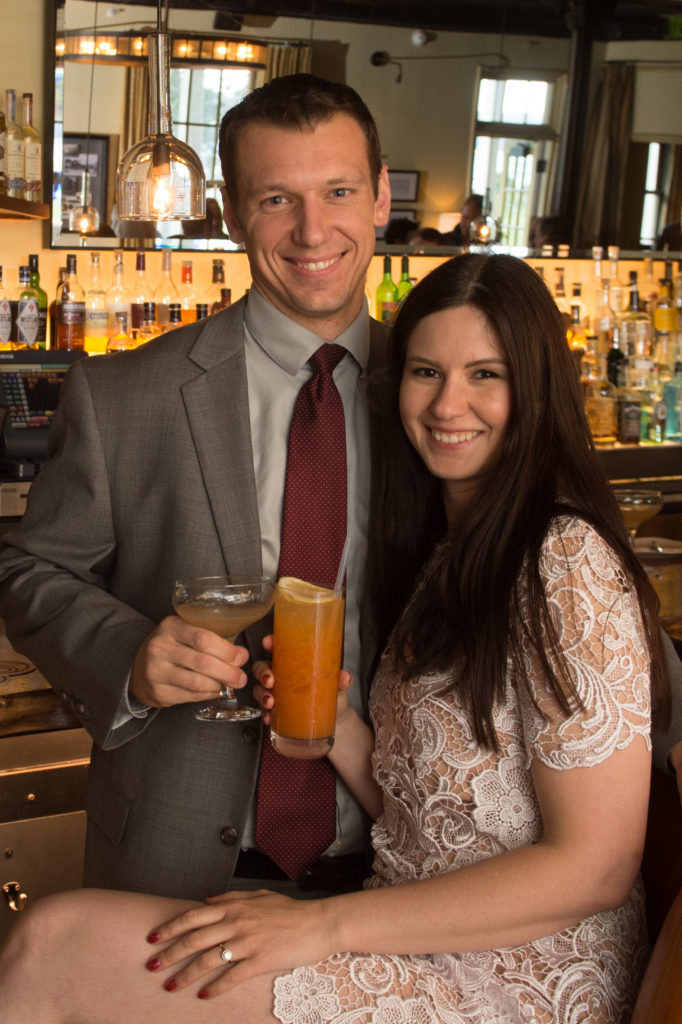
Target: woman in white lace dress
(507, 767)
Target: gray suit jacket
(150, 478)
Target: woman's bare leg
(79, 958)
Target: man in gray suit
(170, 461)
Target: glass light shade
(84, 219)
(160, 178)
(483, 230)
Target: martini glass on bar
(636, 506)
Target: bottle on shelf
(187, 296)
(3, 180)
(648, 292)
(577, 300)
(27, 318)
(53, 310)
(654, 415)
(616, 289)
(201, 310)
(212, 298)
(604, 320)
(5, 317)
(600, 405)
(120, 340)
(14, 149)
(150, 328)
(585, 350)
(71, 319)
(636, 325)
(404, 285)
(672, 396)
(140, 292)
(628, 407)
(387, 295)
(33, 154)
(117, 297)
(174, 316)
(166, 290)
(575, 332)
(665, 327)
(595, 292)
(96, 312)
(561, 300)
(615, 358)
(42, 299)
(225, 299)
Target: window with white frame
(656, 190)
(515, 149)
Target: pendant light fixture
(160, 178)
(85, 218)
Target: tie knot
(326, 358)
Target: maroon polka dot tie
(296, 810)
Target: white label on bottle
(28, 322)
(14, 164)
(72, 312)
(5, 320)
(32, 167)
(96, 322)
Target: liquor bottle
(140, 292)
(118, 297)
(628, 407)
(187, 296)
(201, 310)
(166, 290)
(604, 319)
(3, 179)
(14, 149)
(650, 426)
(596, 289)
(404, 284)
(575, 333)
(5, 317)
(615, 358)
(387, 294)
(649, 292)
(53, 312)
(120, 340)
(225, 299)
(217, 283)
(150, 328)
(600, 406)
(584, 349)
(560, 299)
(665, 326)
(577, 300)
(71, 321)
(27, 322)
(174, 316)
(616, 289)
(636, 325)
(672, 396)
(96, 312)
(33, 154)
(42, 299)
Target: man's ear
(230, 218)
(382, 206)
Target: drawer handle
(15, 897)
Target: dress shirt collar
(290, 345)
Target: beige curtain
(136, 107)
(287, 59)
(600, 194)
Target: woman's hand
(263, 931)
(262, 691)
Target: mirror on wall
(450, 106)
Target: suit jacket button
(229, 836)
(249, 734)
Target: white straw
(342, 564)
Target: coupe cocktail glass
(636, 506)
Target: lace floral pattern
(448, 804)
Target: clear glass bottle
(14, 149)
(561, 300)
(672, 396)
(33, 154)
(150, 328)
(42, 299)
(71, 321)
(96, 312)
(120, 340)
(617, 291)
(577, 300)
(27, 324)
(174, 316)
(387, 295)
(187, 296)
(604, 319)
(648, 292)
(636, 325)
(600, 406)
(117, 297)
(5, 317)
(596, 288)
(166, 290)
(665, 327)
(140, 292)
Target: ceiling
(605, 20)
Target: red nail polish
(170, 985)
(153, 937)
(203, 994)
(153, 964)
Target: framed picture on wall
(80, 154)
(404, 186)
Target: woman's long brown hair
(546, 465)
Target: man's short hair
(295, 101)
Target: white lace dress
(448, 804)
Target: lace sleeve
(596, 614)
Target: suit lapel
(216, 402)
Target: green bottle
(404, 284)
(41, 341)
(27, 314)
(387, 295)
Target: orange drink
(306, 658)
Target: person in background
(426, 236)
(507, 767)
(473, 207)
(550, 230)
(171, 461)
(399, 230)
